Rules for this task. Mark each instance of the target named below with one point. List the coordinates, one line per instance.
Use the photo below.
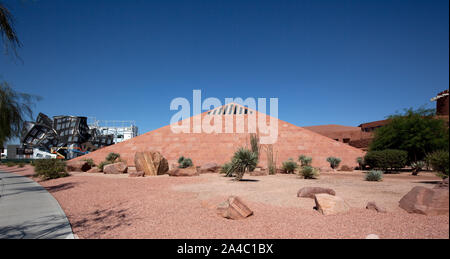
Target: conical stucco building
(290, 141)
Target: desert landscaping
(102, 205)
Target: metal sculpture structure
(66, 136)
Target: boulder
(310, 192)
(425, 201)
(371, 205)
(442, 185)
(78, 166)
(94, 170)
(151, 163)
(209, 168)
(234, 208)
(183, 172)
(116, 168)
(136, 174)
(330, 205)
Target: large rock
(330, 205)
(151, 163)
(116, 168)
(183, 172)
(425, 201)
(136, 174)
(78, 166)
(94, 170)
(371, 205)
(310, 192)
(234, 208)
(209, 168)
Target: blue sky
(328, 61)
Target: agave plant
(417, 167)
(243, 161)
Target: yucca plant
(112, 157)
(309, 172)
(243, 161)
(305, 160)
(334, 162)
(289, 166)
(225, 168)
(184, 162)
(360, 161)
(374, 176)
(417, 167)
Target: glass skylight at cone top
(230, 109)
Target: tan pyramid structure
(291, 141)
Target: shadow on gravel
(102, 221)
(60, 187)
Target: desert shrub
(309, 172)
(184, 162)
(360, 161)
(305, 160)
(244, 160)
(90, 162)
(334, 162)
(102, 164)
(289, 166)
(346, 168)
(389, 159)
(10, 164)
(439, 161)
(417, 167)
(50, 169)
(21, 164)
(112, 157)
(374, 176)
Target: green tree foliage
(389, 159)
(7, 31)
(439, 161)
(15, 108)
(416, 131)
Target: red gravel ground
(105, 206)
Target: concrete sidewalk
(28, 211)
